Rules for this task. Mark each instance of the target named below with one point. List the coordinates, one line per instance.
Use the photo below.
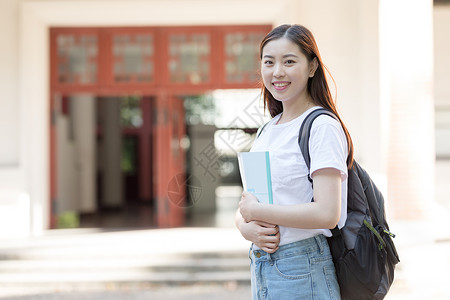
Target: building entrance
(105, 148)
(117, 125)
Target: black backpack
(363, 252)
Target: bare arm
(265, 236)
(324, 212)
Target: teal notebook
(255, 174)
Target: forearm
(307, 216)
(238, 220)
(324, 212)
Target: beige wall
(9, 112)
(441, 54)
(406, 57)
(442, 81)
(347, 36)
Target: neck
(292, 110)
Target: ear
(313, 66)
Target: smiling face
(285, 70)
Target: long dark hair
(317, 85)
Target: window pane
(77, 59)
(189, 58)
(242, 57)
(133, 58)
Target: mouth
(280, 85)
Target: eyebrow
(284, 56)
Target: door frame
(161, 90)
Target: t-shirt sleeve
(328, 146)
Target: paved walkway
(191, 292)
(183, 263)
(190, 263)
(422, 273)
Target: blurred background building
(129, 113)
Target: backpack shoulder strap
(303, 141)
(305, 132)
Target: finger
(269, 238)
(270, 250)
(273, 240)
(264, 224)
(274, 230)
(270, 231)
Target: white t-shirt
(290, 185)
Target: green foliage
(200, 109)
(68, 219)
(130, 111)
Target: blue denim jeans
(300, 270)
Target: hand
(265, 236)
(247, 206)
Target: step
(122, 258)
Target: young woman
(290, 257)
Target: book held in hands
(254, 168)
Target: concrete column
(67, 179)
(84, 133)
(203, 168)
(111, 154)
(406, 68)
(347, 36)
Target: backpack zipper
(382, 243)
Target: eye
(268, 62)
(290, 62)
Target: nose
(278, 71)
